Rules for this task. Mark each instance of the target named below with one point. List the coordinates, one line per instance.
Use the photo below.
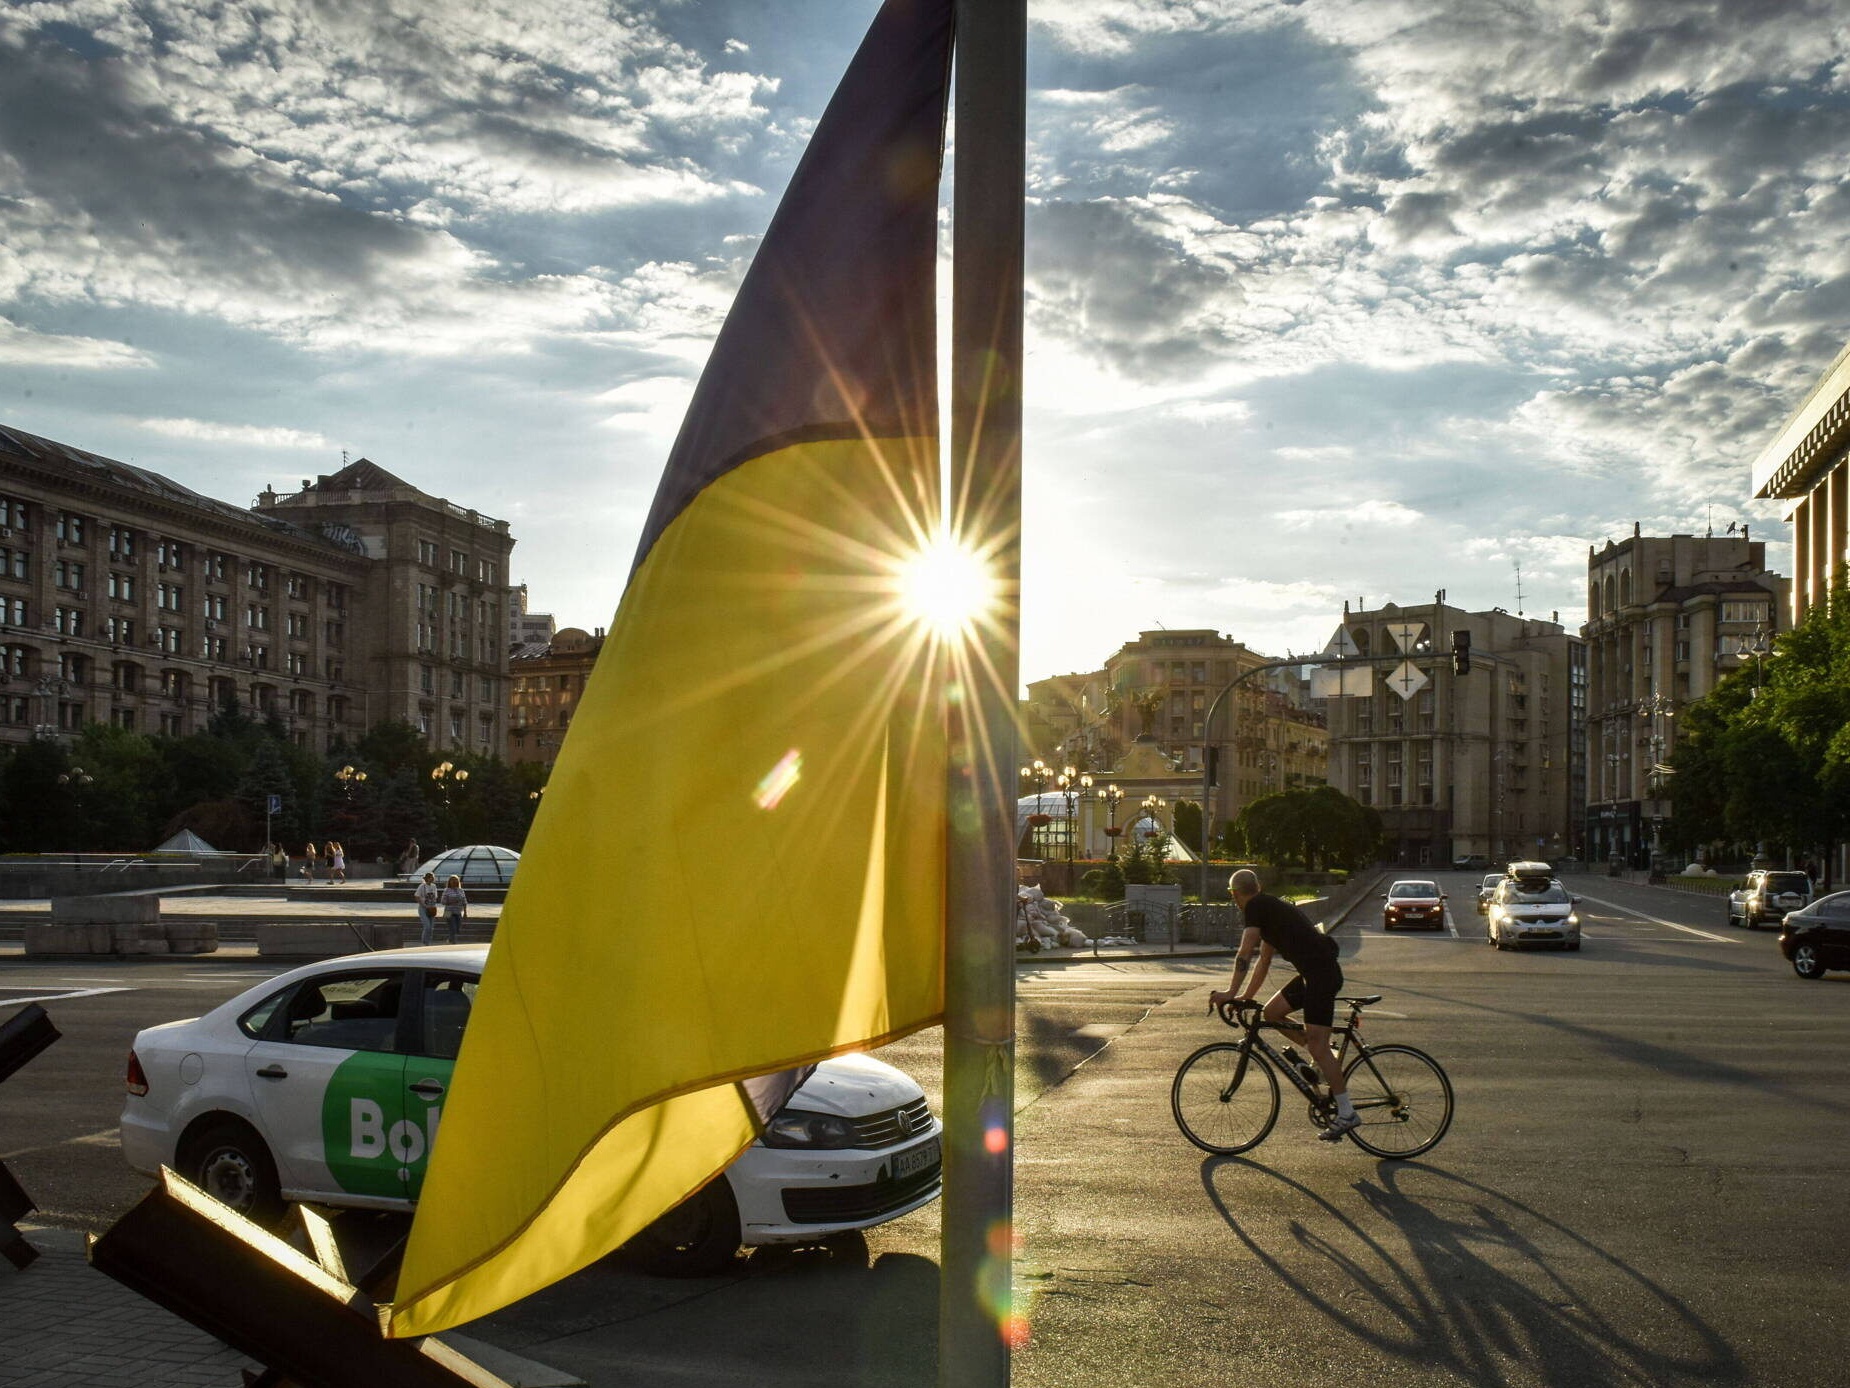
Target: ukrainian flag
(738, 867)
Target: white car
(1532, 911)
(325, 1084)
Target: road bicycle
(1226, 1097)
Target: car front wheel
(697, 1238)
(230, 1163)
(1806, 963)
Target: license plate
(920, 1158)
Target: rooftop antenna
(1711, 511)
(343, 457)
(1519, 588)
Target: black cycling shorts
(1315, 990)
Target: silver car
(1526, 911)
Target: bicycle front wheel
(1224, 1103)
(1403, 1099)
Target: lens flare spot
(995, 1140)
(778, 780)
(1015, 1331)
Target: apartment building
(128, 598)
(1667, 618)
(547, 680)
(1488, 762)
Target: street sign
(1407, 634)
(1342, 644)
(275, 805)
(1407, 680)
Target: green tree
(1188, 825)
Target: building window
(14, 563)
(427, 680)
(68, 621)
(301, 703)
(13, 660)
(487, 571)
(296, 663)
(427, 553)
(456, 684)
(13, 709)
(213, 648)
(257, 618)
(215, 607)
(336, 633)
(456, 727)
(122, 586)
(13, 611)
(260, 657)
(70, 529)
(170, 555)
(70, 716)
(13, 514)
(173, 684)
(459, 562)
(72, 667)
(424, 722)
(487, 737)
(169, 596)
(121, 543)
(1682, 650)
(126, 677)
(67, 574)
(119, 630)
(296, 586)
(258, 576)
(485, 689)
(170, 725)
(218, 566)
(337, 596)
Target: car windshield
(1554, 893)
(1420, 889)
(1494, 879)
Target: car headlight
(794, 1127)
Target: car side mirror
(1384, 896)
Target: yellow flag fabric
(738, 866)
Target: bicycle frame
(1250, 1038)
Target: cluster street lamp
(351, 776)
(1072, 786)
(1038, 773)
(1153, 811)
(1661, 708)
(1759, 649)
(444, 773)
(76, 776)
(1109, 796)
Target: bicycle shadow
(1467, 1278)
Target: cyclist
(1274, 926)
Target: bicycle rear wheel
(1403, 1099)
(1221, 1104)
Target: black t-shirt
(1290, 932)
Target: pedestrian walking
(428, 893)
(337, 861)
(311, 859)
(279, 862)
(409, 859)
(455, 906)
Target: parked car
(1816, 937)
(1526, 910)
(325, 1084)
(1767, 895)
(1471, 862)
(1413, 903)
(1492, 880)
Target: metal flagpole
(975, 1319)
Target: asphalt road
(1643, 1183)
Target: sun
(947, 588)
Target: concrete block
(68, 938)
(139, 908)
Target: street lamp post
(1662, 709)
(1110, 795)
(1153, 811)
(1758, 648)
(1039, 774)
(444, 773)
(1073, 786)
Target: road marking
(45, 995)
(1658, 920)
(1451, 925)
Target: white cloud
(27, 347)
(244, 435)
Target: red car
(1413, 903)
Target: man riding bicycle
(1274, 926)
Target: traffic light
(1461, 652)
(1213, 767)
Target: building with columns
(1667, 618)
(1807, 467)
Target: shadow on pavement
(1458, 1277)
(824, 1314)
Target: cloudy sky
(1341, 299)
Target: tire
(1403, 1098)
(697, 1238)
(230, 1163)
(1574, 945)
(1806, 962)
(1214, 1117)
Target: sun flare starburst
(947, 588)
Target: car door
(444, 1001)
(1834, 938)
(327, 1081)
